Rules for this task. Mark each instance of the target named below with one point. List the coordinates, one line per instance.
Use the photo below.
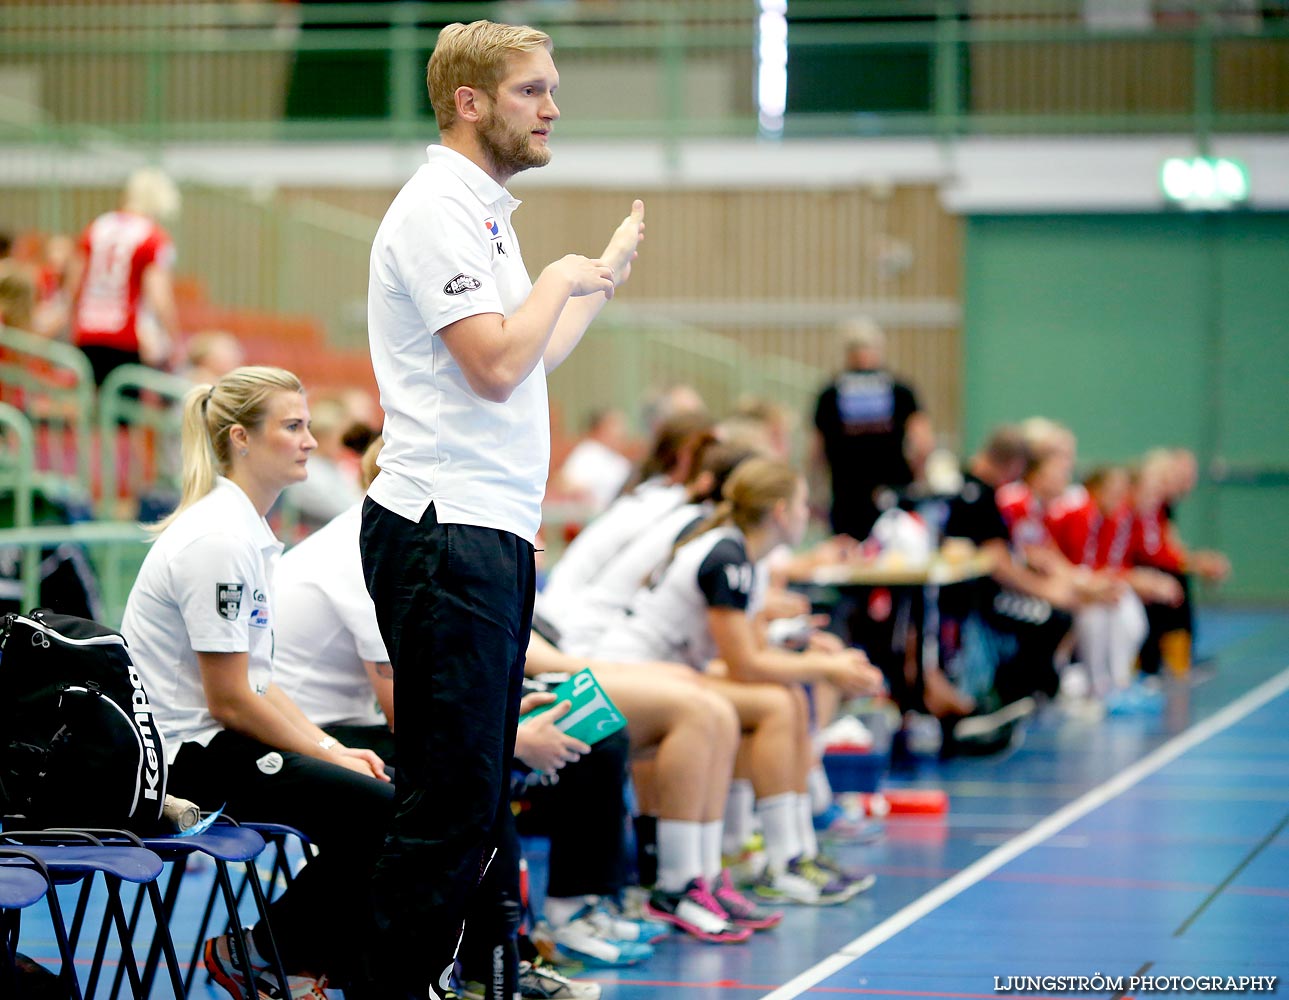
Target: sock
(647, 849)
(560, 910)
(739, 818)
(779, 820)
(806, 827)
(1175, 652)
(258, 961)
(711, 842)
(820, 789)
(680, 853)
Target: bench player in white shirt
(697, 612)
(199, 621)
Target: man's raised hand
(621, 250)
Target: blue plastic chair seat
(19, 887)
(130, 864)
(226, 843)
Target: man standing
(870, 430)
(461, 342)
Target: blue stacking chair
(225, 843)
(72, 856)
(24, 881)
(276, 836)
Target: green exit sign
(1203, 182)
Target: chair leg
(262, 907)
(9, 924)
(100, 946)
(162, 915)
(201, 934)
(162, 940)
(78, 918)
(135, 911)
(236, 934)
(126, 938)
(67, 975)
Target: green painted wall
(1140, 331)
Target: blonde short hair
(151, 192)
(863, 334)
(474, 55)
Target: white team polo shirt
(580, 565)
(668, 620)
(445, 251)
(205, 586)
(326, 626)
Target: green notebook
(592, 716)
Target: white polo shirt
(445, 251)
(326, 627)
(595, 545)
(584, 621)
(206, 585)
(668, 620)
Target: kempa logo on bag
(228, 600)
(147, 730)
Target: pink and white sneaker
(696, 912)
(743, 912)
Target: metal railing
(669, 70)
(54, 384)
(145, 404)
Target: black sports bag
(78, 743)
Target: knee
(723, 721)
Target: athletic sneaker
(612, 915)
(855, 880)
(742, 910)
(696, 912)
(802, 882)
(584, 941)
(537, 982)
(833, 824)
(222, 965)
(748, 864)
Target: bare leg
(692, 734)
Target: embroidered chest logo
(499, 248)
(462, 283)
(228, 600)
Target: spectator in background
(868, 425)
(596, 469)
(1165, 477)
(41, 261)
(760, 424)
(673, 400)
(17, 296)
(212, 355)
(124, 309)
(1109, 620)
(332, 486)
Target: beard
(508, 148)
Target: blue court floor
(1116, 847)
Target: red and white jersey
(1088, 537)
(1153, 541)
(118, 248)
(1023, 514)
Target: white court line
(995, 859)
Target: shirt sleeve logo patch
(228, 600)
(462, 283)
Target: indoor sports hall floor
(1149, 847)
